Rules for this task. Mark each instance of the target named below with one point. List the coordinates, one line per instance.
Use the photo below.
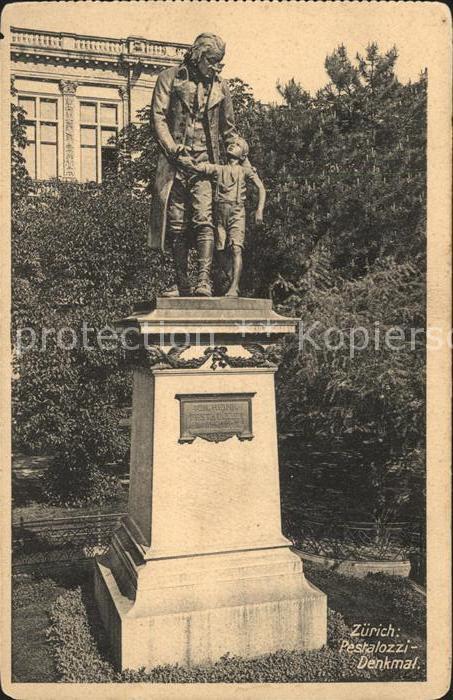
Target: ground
(374, 600)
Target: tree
(80, 262)
(343, 244)
(21, 183)
(367, 396)
(344, 169)
(138, 152)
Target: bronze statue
(230, 193)
(191, 111)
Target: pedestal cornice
(223, 317)
(206, 333)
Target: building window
(98, 133)
(41, 152)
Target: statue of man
(191, 110)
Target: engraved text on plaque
(215, 417)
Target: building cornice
(45, 46)
(145, 81)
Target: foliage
(80, 262)
(406, 602)
(21, 182)
(343, 246)
(138, 153)
(32, 599)
(371, 395)
(87, 442)
(404, 607)
(337, 629)
(349, 191)
(78, 659)
(30, 592)
(76, 654)
(323, 666)
(345, 170)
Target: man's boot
(180, 258)
(205, 249)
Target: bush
(404, 606)
(78, 474)
(74, 484)
(76, 655)
(78, 659)
(80, 263)
(337, 629)
(323, 666)
(407, 604)
(30, 592)
(371, 400)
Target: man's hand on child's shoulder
(186, 163)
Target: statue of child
(230, 194)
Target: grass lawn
(369, 600)
(375, 600)
(32, 658)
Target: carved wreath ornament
(157, 358)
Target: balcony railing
(95, 45)
(29, 37)
(135, 46)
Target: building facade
(78, 92)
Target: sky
(266, 41)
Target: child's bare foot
(232, 292)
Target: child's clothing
(230, 195)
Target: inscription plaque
(215, 417)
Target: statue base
(199, 567)
(193, 610)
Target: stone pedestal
(199, 567)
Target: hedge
(78, 659)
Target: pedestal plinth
(199, 567)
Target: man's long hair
(202, 44)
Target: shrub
(408, 605)
(404, 606)
(371, 400)
(323, 666)
(76, 655)
(74, 484)
(78, 659)
(337, 629)
(30, 592)
(78, 474)
(80, 262)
